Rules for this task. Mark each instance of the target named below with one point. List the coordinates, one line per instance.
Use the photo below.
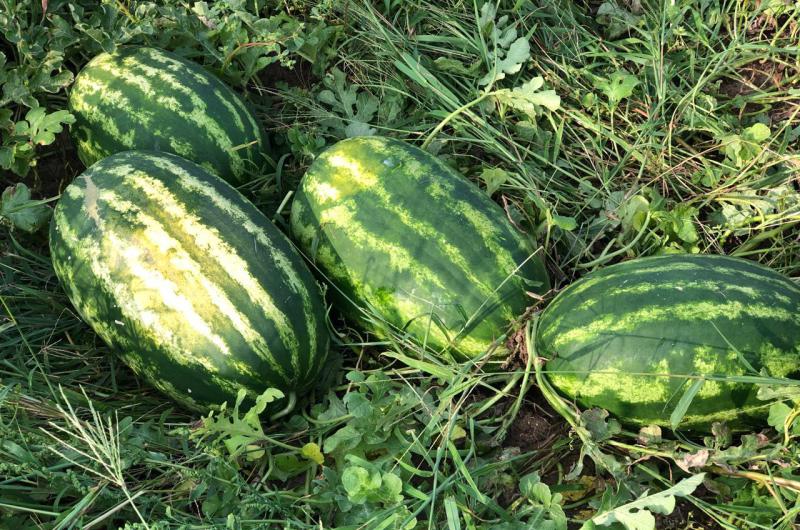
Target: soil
(686, 517)
(532, 429)
(55, 168)
(761, 76)
(300, 76)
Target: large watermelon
(187, 280)
(626, 337)
(413, 243)
(146, 98)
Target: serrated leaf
(43, 127)
(528, 99)
(599, 425)
(514, 57)
(494, 177)
(343, 440)
(239, 435)
(638, 515)
(357, 128)
(617, 87)
(17, 207)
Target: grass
(658, 145)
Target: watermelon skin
(197, 291)
(678, 315)
(406, 237)
(140, 98)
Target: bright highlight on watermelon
(636, 337)
(409, 240)
(196, 290)
(146, 98)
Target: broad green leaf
(494, 177)
(617, 87)
(528, 99)
(599, 425)
(638, 515)
(778, 412)
(757, 133)
(563, 222)
(20, 211)
(43, 127)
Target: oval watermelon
(414, 245)
(146, 98)
(634, 337)
(198, 291)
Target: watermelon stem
(290, 404)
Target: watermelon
(141, 98)
(411, 246)
(197, 291)
(633, 338)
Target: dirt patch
(754, 77)
(686, 517)
(763, 76)
(531, 429)
(55, 168)
(300, 76)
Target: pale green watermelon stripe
(220, 251)
(198, 115)
(95, 257)
(704, 288)
(379, 195)
(695, 311)
(85, 87)
(180, 260)
(235, 106)
(400, 258)
(662, 266)
(237, 215)
(349, 171)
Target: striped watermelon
(146, 98)
(624, 338)
(404, 236)
(198, 291)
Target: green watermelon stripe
(374, 200)
(418, 166)
(198, 115)
(143, 98)
(398, 231)
(654, 265)
(369, 200)
(218, 250)
(289, 272)
(724, 287)
(182, 293)
(275, 255)
(91, 254)
(182, 261)
(611, 335)
(694, 311)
